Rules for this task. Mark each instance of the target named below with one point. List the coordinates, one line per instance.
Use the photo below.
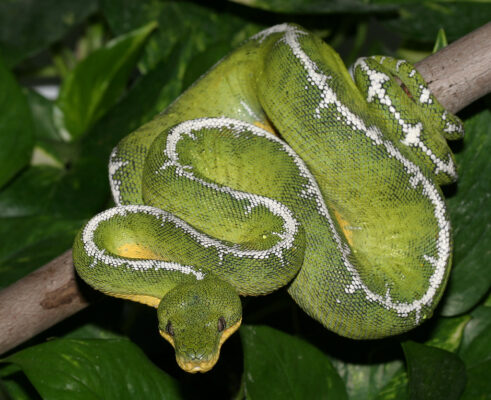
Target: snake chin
(202, 367)
(198, 364)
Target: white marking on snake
(99, 254)
(290, 224)
(114, 165)
(425, 95)
(399, 63)
(412, 132)
(281, 28)
(250, 111)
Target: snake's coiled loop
(345, 208)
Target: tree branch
(38, 301)
(460, 73)
(457, 75)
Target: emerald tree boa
(281, 168)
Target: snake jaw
(228, 332)
(167, 337)
(202, 366)
(199, 365)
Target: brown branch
(38, 301)
(460, 73)
(457, 75)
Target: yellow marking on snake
(266, 126)
(345, 227)
(135, 250)
(138, 298)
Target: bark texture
(460, 73)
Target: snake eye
(221, 324)
(169, 329)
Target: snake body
(279, 167)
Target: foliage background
(116, 69)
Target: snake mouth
(198, 365)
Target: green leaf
(16, 131)
(476, 344)
(14, 385)
(93, 369)
(29, 242)
(41, 211)
(396, 388)
(50, 149)
(29, 26)
(185, 24)
(32, 229)
(420, 21)
(42, 113)
(92, 331)
(319, 6)
(478, 383)
(84, 189)
(280, 366)
(470, 213)
(45, 154)
(364, 382)
(476, 353)
(433, 373)
(441, 40)
(97, 82)
(447, 333)
(29, 194)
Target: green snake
(279, 167)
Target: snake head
(196, 319)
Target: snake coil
(279, 167)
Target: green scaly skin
(345, 208)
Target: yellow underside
(266, 126)
(134, 250)
(138, 298)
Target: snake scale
(280, 167)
